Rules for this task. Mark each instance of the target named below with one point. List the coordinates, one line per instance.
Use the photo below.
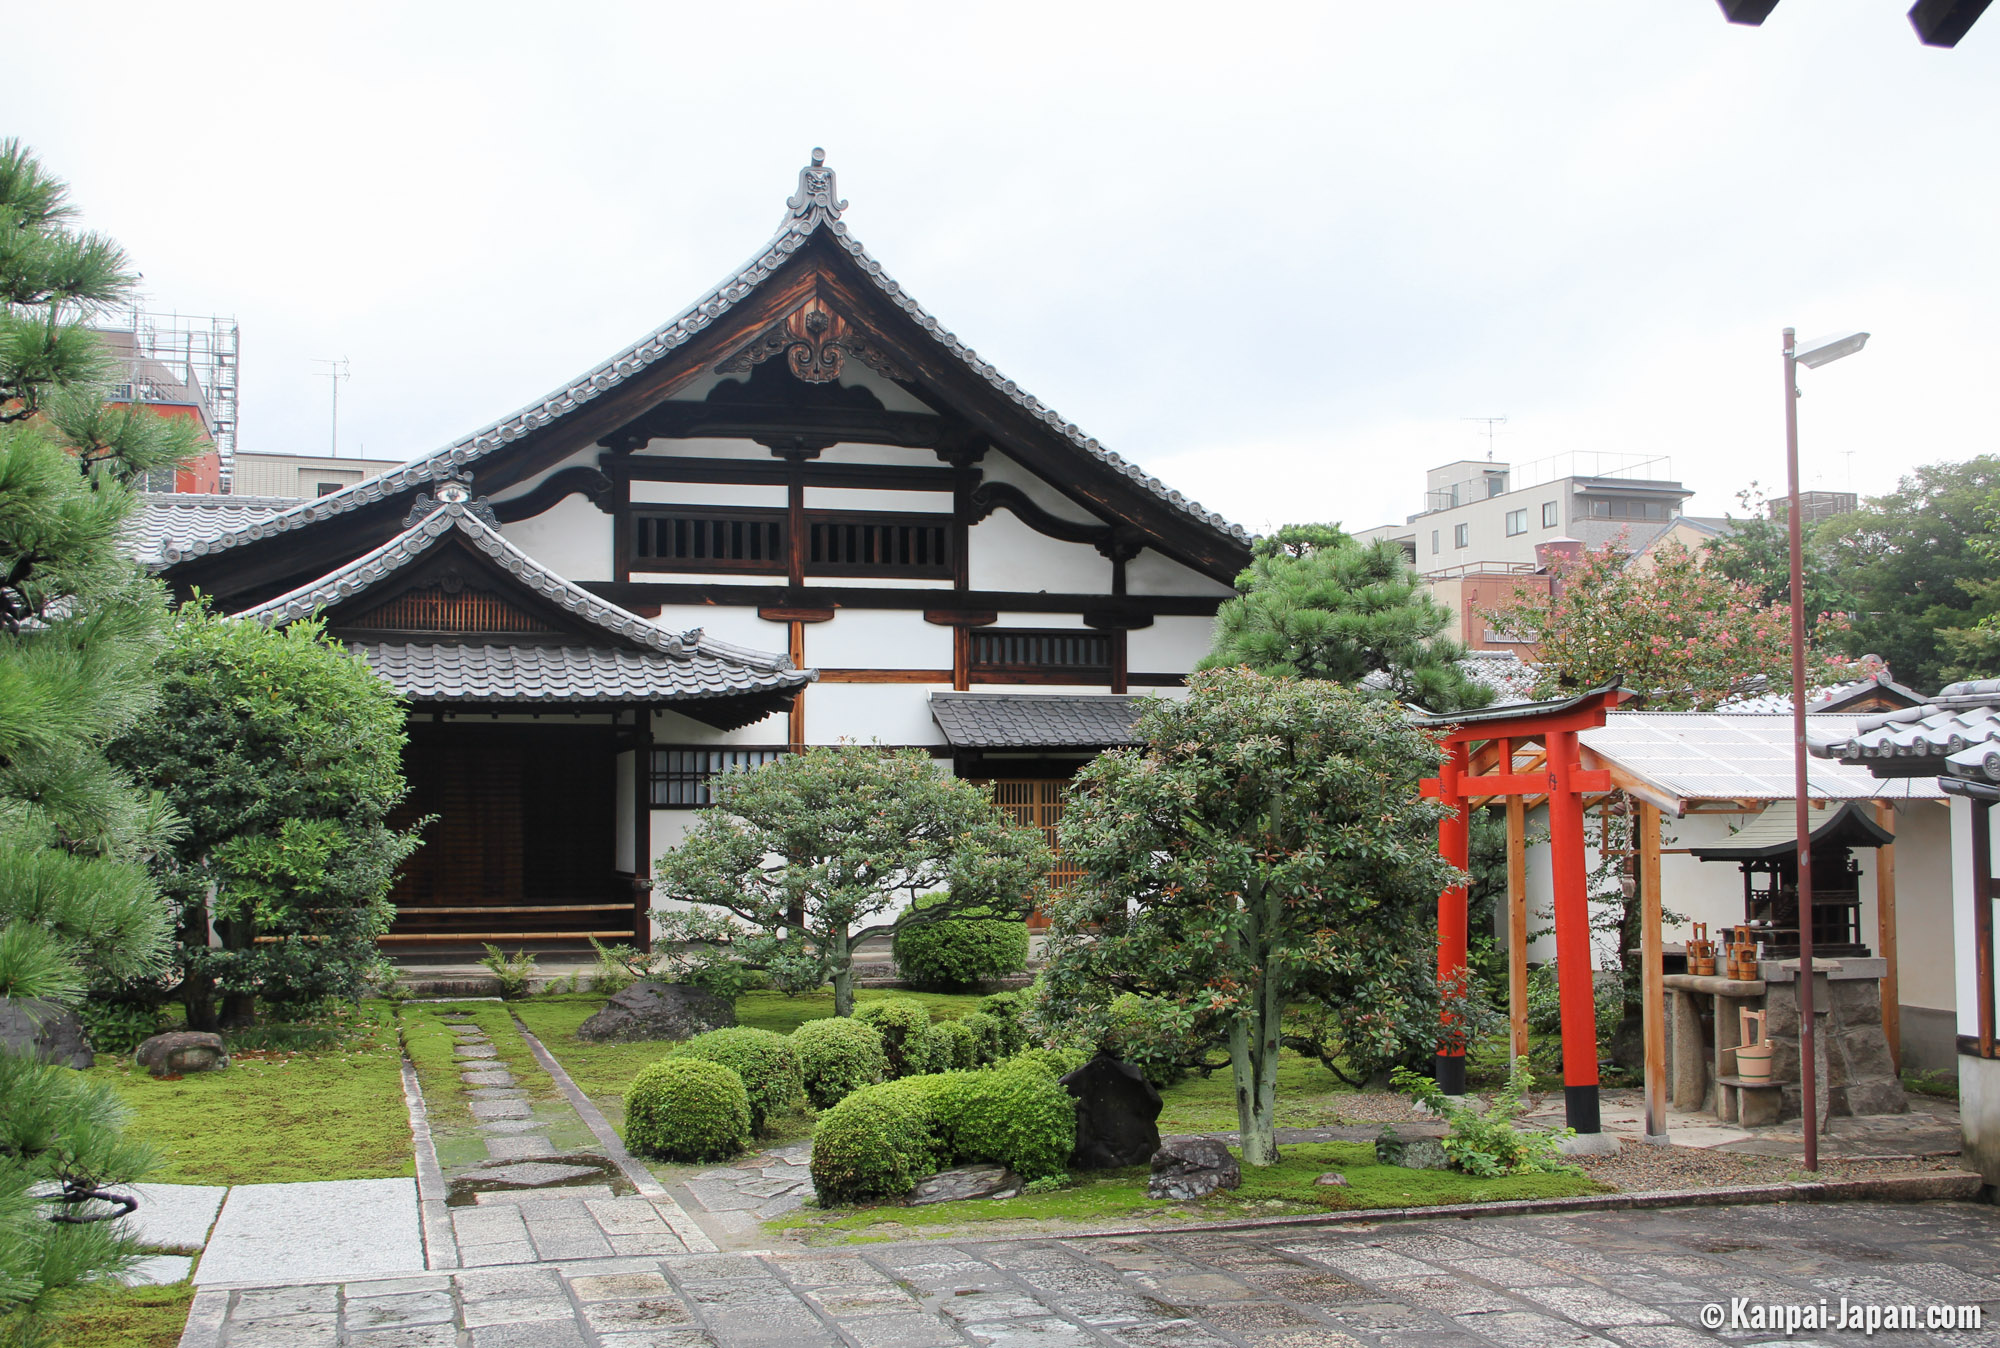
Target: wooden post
(642, 827)
(1454, 841)
(1885, 936)
(1653, 996)
(1574, 962)
(1517, 921)
(795, 720)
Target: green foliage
(838, 1056)
(1011, 1010)
(1268, 847)
(1545, 1011)
(1680, 632)
(117, 1027)
(839, 835)
(883, 1139)
(1161, 1036)
(958, 952)
(989, 1036)
(79, 624)
(1316, 604)
(954, 1047)
(1057, 1062)
(687, 1109)
(512, 972)
(1488, 1143)
(283, 752)
(1921, 563)
(768, 1064)
(1757, 551)
(875, 1143)
(904, 1025)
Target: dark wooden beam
(1105, 610)
(1752, 12)
(1941, 23)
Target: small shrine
(1767, 851)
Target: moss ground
(333, 1112)
(112, 1316)
(1309, 1096)
(1117, 1196)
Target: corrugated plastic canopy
(1697, 756)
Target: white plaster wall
(713, 448)
(1154, 573)
(708, 578)
(997, 467)
(1008, 555)
(571, 538)
(1170, 645)
(899, 456)
(1925, 964)
(583, 458)
(860, 638)
(868, 498)
(888, 713)
(738, 625)
(1020, 618)
(1965, 950)
(760, 494)
(673, 730)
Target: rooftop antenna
(336, 370)
(1490, 423)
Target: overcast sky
(1275, 255)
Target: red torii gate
(1481, 753)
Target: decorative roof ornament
(454, 488)
(818, 199)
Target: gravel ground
(1638, 1167)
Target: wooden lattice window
(1079, 654)
(692, 539)
(1038, 803)
(447, 606)
(683, 777)
(883, 544)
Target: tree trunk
(197, 986)
(1253, 1045)
(843, 974)
(238, 1008)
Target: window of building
(837, 543)
(1628, 510)
(1517, 521)
(878, 545)
(1434, 542)
(1032, 654)
(325, 488)
(682, 777)
(1461, 536)
(1551, 516)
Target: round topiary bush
(1016, 1116)
(838, 1056)
(1057, 1062)
(989, 1033)
(904, 1024)
(958, 952)
(1011, 1010)
(955, 1048)
(687, 1109)
(874, 1144)
(767, 1062)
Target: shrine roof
(1035, 720)
(1775, 832)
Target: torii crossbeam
(1482, 751)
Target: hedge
(838, 1056)
(767, 1062)
(904, 1024)
(958, 952)
(687, 1109)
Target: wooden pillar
(1885, 937)
(1653, 996)
(1517, 921)
(1573, 956)
(1982, 924)
(1454, 844)
(642, 827)
(795, 719)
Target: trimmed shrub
(989, 1033)
(687, 1109)
(1018, 1117)
(874, 1144)
(838, 1056)
(1057, 1062)
(955, 1048)
(961, 951)
(904, 1024)
(1011, 1010)
(767, 1063)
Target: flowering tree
(1267, 849)
(1683, 634)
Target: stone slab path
(1598, 1280)
(315, 1231)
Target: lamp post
(1812, 355)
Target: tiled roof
(1754, 700)
(1511, 679)
(1035, 720)
(814, 208)
(664, 665)
(168, 523)
(427, 672)
(1927, 734)
(1710, 756)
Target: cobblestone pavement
(1636, 1279)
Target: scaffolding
(180, 359)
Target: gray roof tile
(168, 523)
(812, 209)
(1035, 720)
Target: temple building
(802, 512)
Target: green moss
(1109, 1196)
(1308, 1097)
(113, 1316)
(335, 1113)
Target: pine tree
(79, 628)
(1316, 604)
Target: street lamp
(1812, 355)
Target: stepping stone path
(735, 1201)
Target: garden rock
(1116, 1115)
(972, 1181)
(48, 1032)
(1412, 1153)
(1192, 1167)
(657, 1011)
(1333, 1178)
(182, 1051)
